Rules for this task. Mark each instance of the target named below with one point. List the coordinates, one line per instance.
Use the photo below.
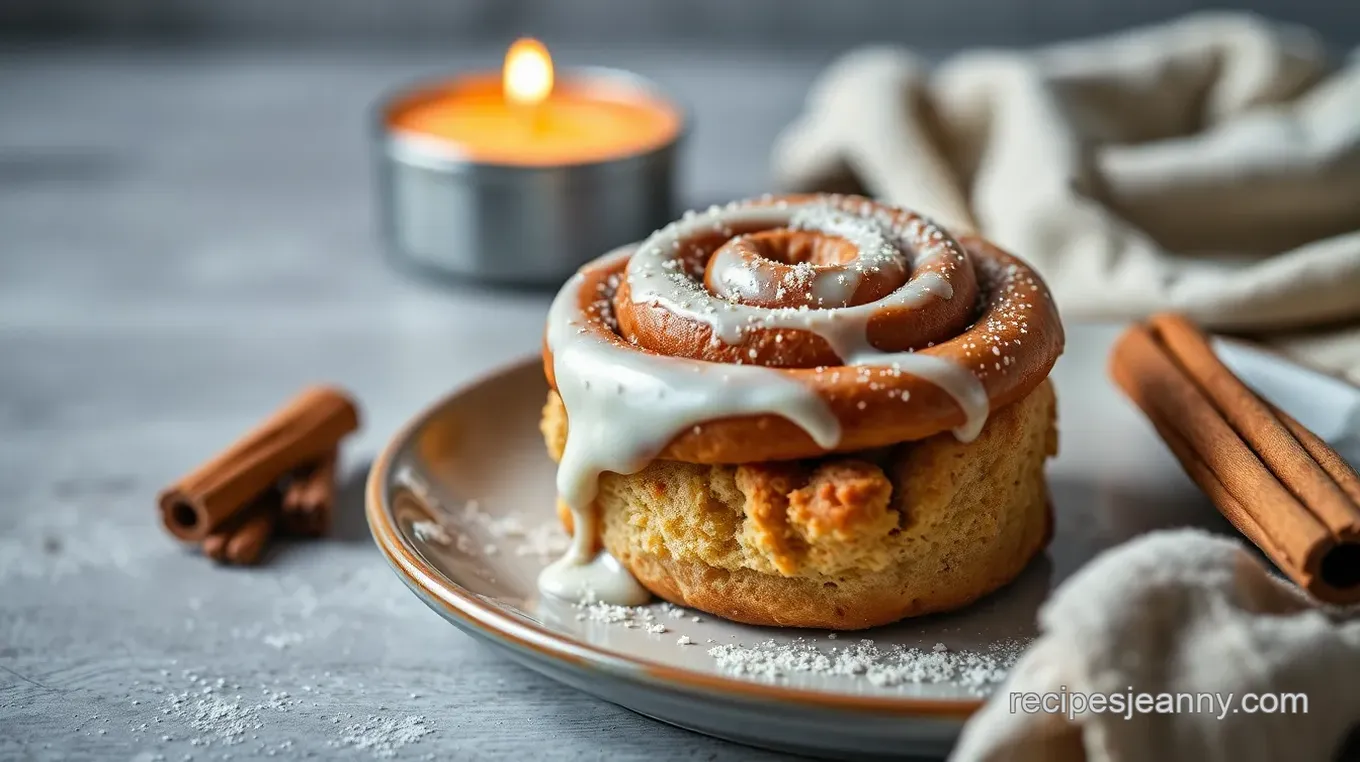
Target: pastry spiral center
(796, 282)
(796, 268)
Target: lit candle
(522, 175)
(522, 117)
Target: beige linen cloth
(1177, 612)
(1211, 165)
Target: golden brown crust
(838, 542)
(749, 597)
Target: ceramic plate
(461, 503)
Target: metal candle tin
(445, 214)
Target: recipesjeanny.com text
(1129, 703)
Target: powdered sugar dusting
(977, 671)
(383, 737)
(630, 617)
(889, 666)
(215, 718)
(884, 239)
(225, 721)
(220, 713)
(545, 542)
(431, 531)
(475, 532)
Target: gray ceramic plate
(461, 503)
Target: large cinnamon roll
(809, 411)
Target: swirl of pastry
(789, 327)
(796, 282)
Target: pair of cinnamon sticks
(1288, 492)
(278, 478)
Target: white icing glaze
(581, 575)
(734, 279)
(826, 287)
(624, 404)
(655, 276)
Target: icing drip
(623, 406)
(583, 575)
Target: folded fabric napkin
(1179, 612)
(1209, 166)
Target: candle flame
(528, 73)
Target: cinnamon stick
(215, 545)
(1258, 425)
(1200, 473)
(1330, 461)
(1280, 485)
(243, 540)
(309, 499)
(248, 542)
(305, 429)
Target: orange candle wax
(523, 117)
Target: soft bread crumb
(842, 542)
(845, 515)
(842, 497)
(765, 488)
(830, 516)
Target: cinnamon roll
(807, 411)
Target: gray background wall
(933, 24)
